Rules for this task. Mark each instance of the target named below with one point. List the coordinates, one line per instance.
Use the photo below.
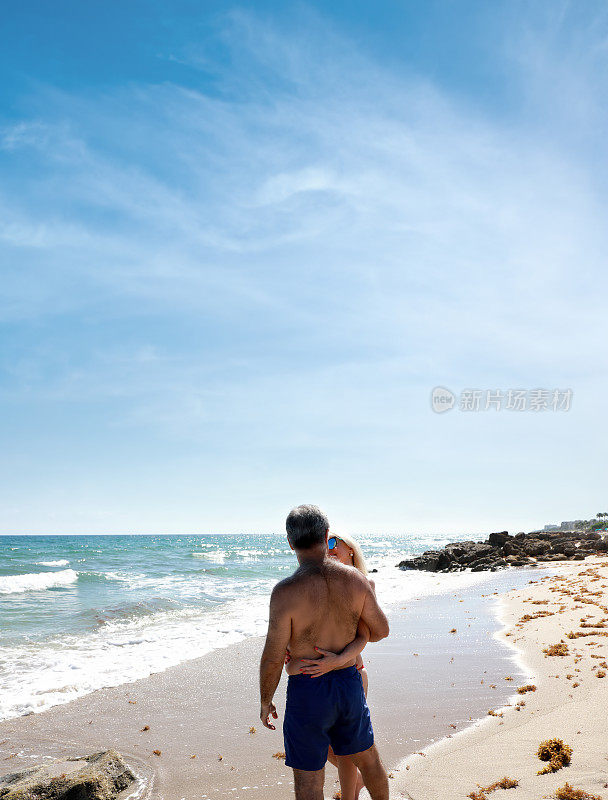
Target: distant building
(551, 528)
(567, 526)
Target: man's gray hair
(306, 526)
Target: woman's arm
(328, 660)
(353, 649)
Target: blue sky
(240, 244)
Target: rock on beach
(99, 776)
(505, 550)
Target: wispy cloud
(303, 253)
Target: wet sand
(425, 683)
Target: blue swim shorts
(330, 710)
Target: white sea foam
(127, 577)
(36, 581)
(395, 586)
(219, 557)
(178, 587)
(36, 677)
(62, 562)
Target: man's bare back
(325, 602)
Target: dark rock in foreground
(100, 776)
(503, 550)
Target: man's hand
(266, 711)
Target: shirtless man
(320, 605)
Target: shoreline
(205, 707)
(564, 705)
(121, 633)
(86, 665)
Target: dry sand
(570, 703)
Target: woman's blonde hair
(358, 557)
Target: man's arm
(373, 616)
(273, 656)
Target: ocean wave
(38, 677)
(62, 562)
(218, 557)
(36, 581)
(127, 577)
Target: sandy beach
(192, 731)
(569, 702)
(441, 669)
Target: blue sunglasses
(332, 542)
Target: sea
(78, 613)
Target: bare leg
(309, 785)
(351, 781)
(364, 680)
(373, 773)
(350, 778)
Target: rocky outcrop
(503, 550)
(99, 776)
